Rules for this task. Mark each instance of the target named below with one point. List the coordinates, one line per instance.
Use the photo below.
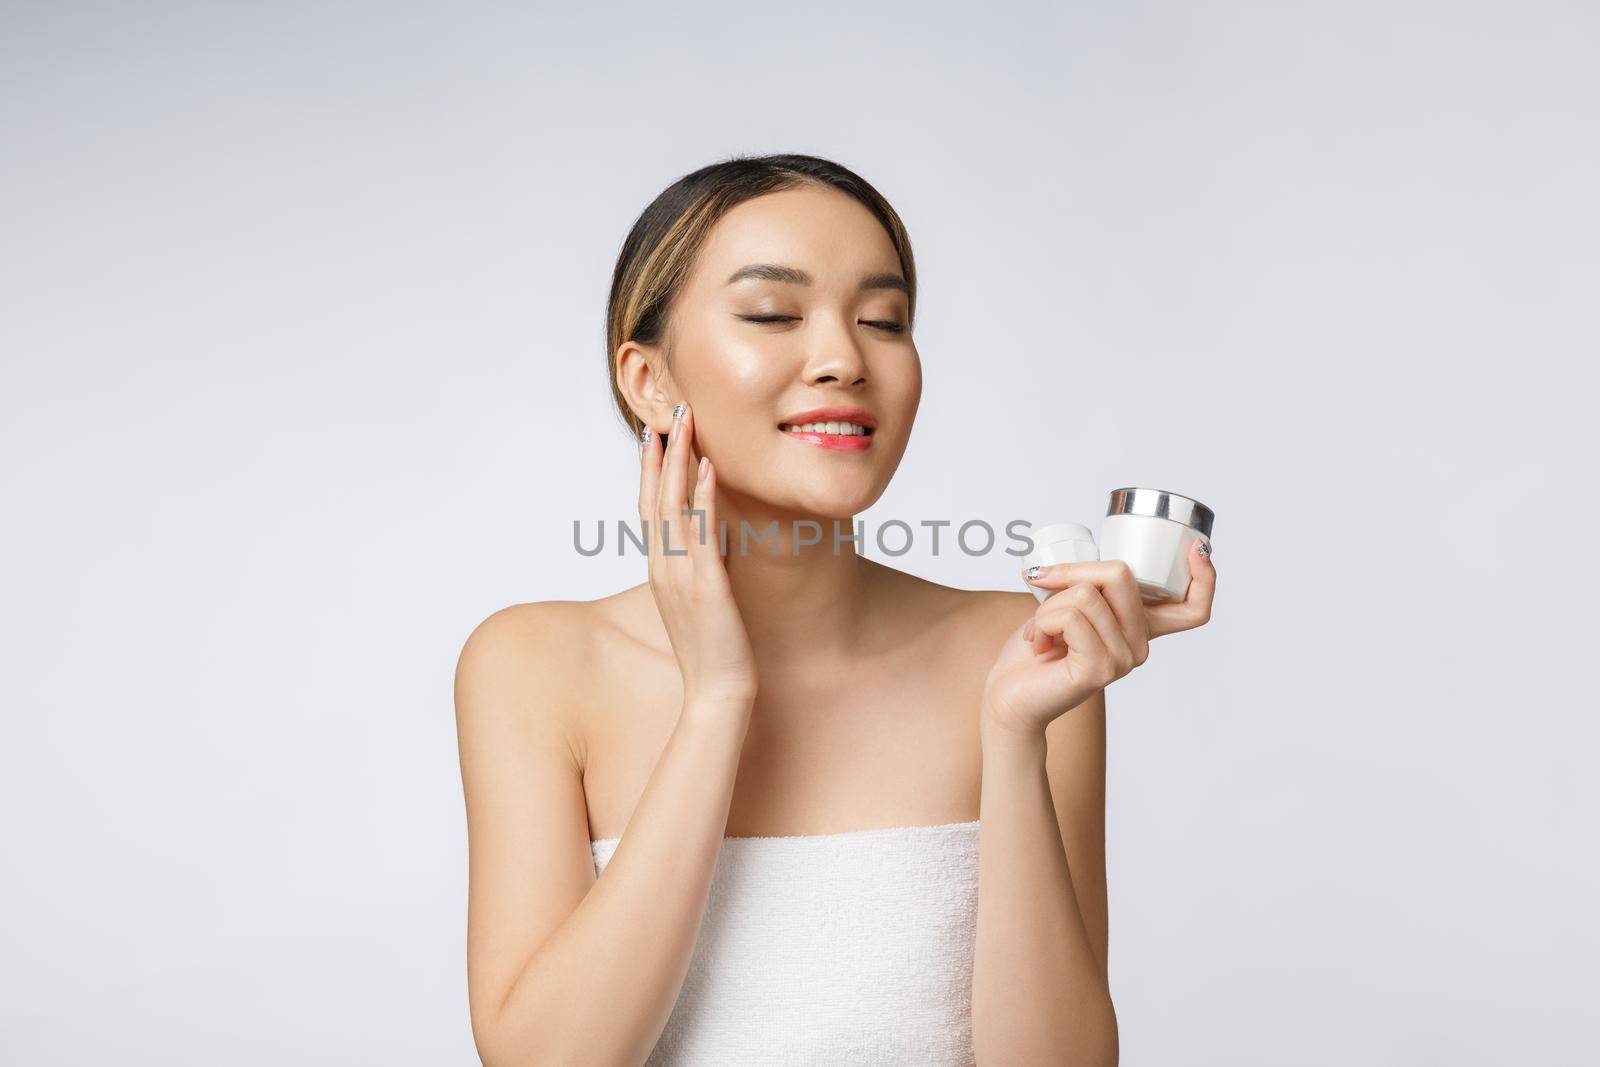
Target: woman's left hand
(1105, 630)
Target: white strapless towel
(848, 948)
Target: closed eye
(892, 327)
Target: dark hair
(665, 240)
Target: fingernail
(705, 465)
(1205, 549)
(1027, 631)
(1032, 573)
(644, 437)
(677, 412)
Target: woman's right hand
(690, 584)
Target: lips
(836, 413)
(840, 428)
(833, 441)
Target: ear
(646, 391)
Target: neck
(798, 600)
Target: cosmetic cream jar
(1152, 530)
(1062, 542)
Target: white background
(304, 375)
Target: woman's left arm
(1040, 990)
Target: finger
(1127, 604)
(649, 468)
(691, 466)
(1087, 657)
(1050, 619)
(1117, 583)
(1195, 607)
(1088, 601)
(1064, 575)
(1039, 639)
(706, 539)
(1043, 642)
(673, 498)
(649, 482)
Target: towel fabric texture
(839, 949)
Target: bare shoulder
(526, 640)
(525, 663)
(968, 611)
(540, 660)
(1003, 608)
(518, 681)
(536, 623)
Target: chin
(829, 492)
(835, 505)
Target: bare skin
(886, 736)
(809, 693)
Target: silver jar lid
(1161, 504)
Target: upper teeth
(848, 429)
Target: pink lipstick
(841, 428)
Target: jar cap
(1161, 504)
(1061, 531)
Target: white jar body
(1074, 550)
(1157, 549)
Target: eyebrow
(773, 272)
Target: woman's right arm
(564, 968)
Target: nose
(835, 358)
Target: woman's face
(757, 350)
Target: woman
(731, 814)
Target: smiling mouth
(831, 429)
(830, 436)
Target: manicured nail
(1032, 573)
(1205, 549)
(644, 437)
(1027, 631)
(705, 465)
(677, 412)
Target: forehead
(820, 230)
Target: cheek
(736, 390)
(755, 376)
(902, 385)
(736, 380)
